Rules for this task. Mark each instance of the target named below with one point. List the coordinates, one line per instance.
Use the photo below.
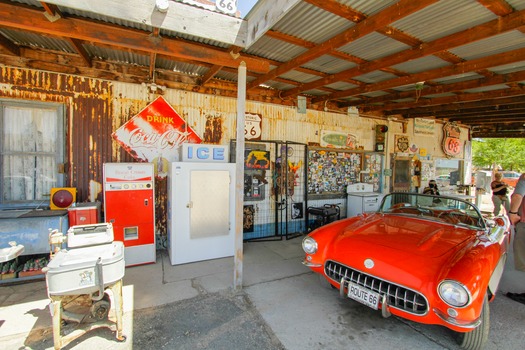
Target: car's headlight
(309, 245)
(454, 293)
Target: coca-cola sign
(155, 133)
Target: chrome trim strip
(384, 307)
(472, 325)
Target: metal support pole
(239, 177)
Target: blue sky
(244, 6)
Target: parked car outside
(510, 177)
(429, 259)
(443, 180)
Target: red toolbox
(84, 214)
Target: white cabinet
(361, 203)
(201, 211)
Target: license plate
(363, 295)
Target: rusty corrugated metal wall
(88, 118)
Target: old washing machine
(85, 277)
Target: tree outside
(499, 154)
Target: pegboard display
(331, 171)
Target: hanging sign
(424, 126)
(155, 133)
(205, 153)
(335, 139)
(451, 143)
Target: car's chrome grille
(397, 296)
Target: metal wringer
(79, 278)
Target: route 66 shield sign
(451, 142)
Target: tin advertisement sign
(424, 126)
(155, 133)
(334, 139)
(252, 126)
(451, 141)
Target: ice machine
(201, 211)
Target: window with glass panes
(32, 148)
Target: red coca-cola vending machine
(129, 204)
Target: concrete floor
(282, 305)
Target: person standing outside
(517, 218)
(499, 194)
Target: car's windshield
(437, 208)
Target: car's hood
(395, 234)
(398, 248)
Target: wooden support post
(239, 177)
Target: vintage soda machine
(201, 204)
(129, 204)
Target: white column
(239, 177)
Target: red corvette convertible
(429, 259)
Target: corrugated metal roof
(186, 68)
(368, 7)
(299, 23)
(105, 53)
(341, 85)
(373, 46)
(315, 92)
(274, 49)
(278, 85)
(374, 94)
(444, 18)
(314, 25)
(375, 77)
(299, 76)
(509, 68)
(447, 94)
(497, 44)
(457, 78)
(37, 41)
(329, 64)
(486, 88)
(421, 64)
(517, 4)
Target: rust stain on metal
(161, 205)
(213, 130)
(88, 117)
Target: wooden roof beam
(234, 51)
(77, 44)
(29, 19)
(9, 46)
(498, 7)
(52, 13)
(180, 17)
(338, 9)
(504, 96)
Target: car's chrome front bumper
(451, 320)
(310, 264)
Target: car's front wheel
(477, 338)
